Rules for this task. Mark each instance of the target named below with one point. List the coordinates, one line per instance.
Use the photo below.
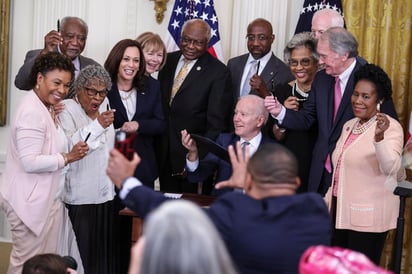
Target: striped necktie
(180, 77)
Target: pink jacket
(368, 175)
(33, 163)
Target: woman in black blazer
(136, 97)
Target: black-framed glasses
(197, 43)
(71, 36)
(92, 92)
(304, 62)
(260, 37)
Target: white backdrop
(112, 20)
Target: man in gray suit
(259, 70)
(70, 40)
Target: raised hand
(106, 118)
(239, 163)
(119, 167)
(51, 41)
(272, 105)
(190, 145)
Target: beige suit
(30, 180)
(367, 177)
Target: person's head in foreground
(47, 263)
(328, 260)
(179, 238)
(265, 179)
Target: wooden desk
(137, 223)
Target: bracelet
(66, 161)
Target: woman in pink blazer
(34, 161)
(367, 166)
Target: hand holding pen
(106, 118)
(52, 40)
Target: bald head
(273, 164)
(324, 19)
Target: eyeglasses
(197, 43)
(71, 36)
(260, 37)
(92, 92)
(304, 62)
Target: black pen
(258, 65)
(272, 89)
(107, 107)
(87, 137)
(58, 25)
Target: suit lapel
(117, 102)
(239, 72)
(269, 71)
(198, 68)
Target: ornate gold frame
(4, 57)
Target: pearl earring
(37, 86)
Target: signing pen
(258, 65)
(58, 25)
(272, 89)
(87, 137)
(107, 107)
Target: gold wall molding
(4, 58)
(160, 8)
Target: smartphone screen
(126, 143)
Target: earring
(37, 87)
(378, 107)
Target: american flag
(312, 6)
(184, 10)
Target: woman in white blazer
(367, 165)
(34, 161)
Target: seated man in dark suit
(70, 40)
(249, 117)
(267, 228)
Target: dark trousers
(369, 243)
(325, 183)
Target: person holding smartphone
(300, 54)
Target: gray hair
(258, 104)
(303, 39)
(336, 19)
(90, 73)
(341, 41)
(67, 18)
(200, 21)
(181, 239)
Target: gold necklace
(361, 128)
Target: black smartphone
(126, 143)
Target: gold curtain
(383, 30)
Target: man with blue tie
(249, 117)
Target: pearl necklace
(361, 128)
